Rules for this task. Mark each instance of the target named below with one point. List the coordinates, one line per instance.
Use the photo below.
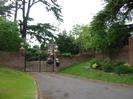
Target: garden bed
(84, 70)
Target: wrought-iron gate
(37, 64)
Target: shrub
(108, 68)
(67, 54)
(94, 63)
(118, 63)
(111, 66)
(106, 65)
(123, 70)
(95, 66)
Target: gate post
(22, 58)
(130, 51)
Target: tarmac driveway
(55, 86)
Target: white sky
(74, 12)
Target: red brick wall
(121, 55)
(67, 61)
(12, 59)
(131, 50)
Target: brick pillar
(130, 51)
(21, 58)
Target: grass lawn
(79, 70)
(16, 85)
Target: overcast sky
(73, 11)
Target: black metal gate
(37, 64)
(37, 60)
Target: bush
(108, 68)
(107, 65)
(111, 66)
(94, 63)
(123, 70)
(95, 66)
(67, 54)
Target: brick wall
(130, 50)
(12, 59)
(67, 61)
(121, 55)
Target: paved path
(54, 86)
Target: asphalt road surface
(55, 86)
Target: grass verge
(16, 85)
(79, 70)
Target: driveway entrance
(54, 86)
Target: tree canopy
(11, 7)
(66, 43)
(109, 29)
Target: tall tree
(5, 8)
(109, 28)
(13, 6)
(85, 37)
(26, 6)
(42, 32)
(66, 44)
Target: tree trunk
(16, 10)
(24, 29)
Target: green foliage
(107, 65)
(108, 30)
(42, 32)
(5, 8)
(93, 61)
(110, 66)
(123, 70)
(35, 53)
(76, 34)
(81, 34)
(119, 9)
(9, 36)
(80, 71)
(50, 5)
(76, 31)
(117, 36)
(105, 37)
(67, 54)
(66, 44)
(85, 37)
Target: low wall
(121, 55)
(131, 50)
(12, 59)
(67, 61)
